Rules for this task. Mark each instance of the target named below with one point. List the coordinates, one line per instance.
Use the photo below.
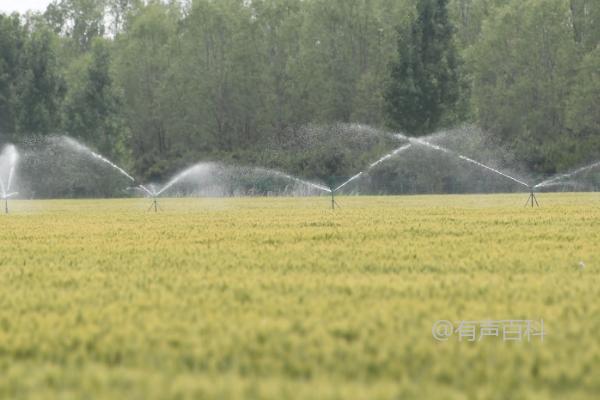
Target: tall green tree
(523, 71)
(144, 64)
(79, 20)
(278, 21)
(468, 17)
(584, 17)
(118, 11)
(424, 88)
(583, 118)
(92, 107)
(12, 41)
(221, 79)
(40, 86)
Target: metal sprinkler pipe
(5, 197)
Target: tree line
(158, 85)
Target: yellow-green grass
(285, 299)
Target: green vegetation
(425, 83)
(158, 85)
(282, 298)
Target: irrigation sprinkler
(155, 205)
(532, 199)
(332, 189)
(10, 154)
(153, 194)
(333, 202)
(5, 197)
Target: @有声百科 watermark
(508, 330)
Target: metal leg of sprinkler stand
(532, 199)
(334, 203)
(6, 206)
(154, 205)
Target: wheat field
(275, 298)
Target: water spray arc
(301, 181)
(425, 143)
(11, 156)
(4, 189)
(469, 160)
(317, 186)
(154, 193)
(207, 170)
(556, 179)
(386, 157)
(373, 165)
(82, 148)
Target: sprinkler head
(151, 193)
(5, 197)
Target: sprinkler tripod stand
(532, 199)
(153, 194)
(154, 205)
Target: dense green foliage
(160, 85)
(283, 299)
(425, 83)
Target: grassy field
(285, 299)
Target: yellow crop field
(274, 298)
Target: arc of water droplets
(302, 181)
(188, 171)
(82, 147)
(493, 170)
(6, 189)
(175, 180)
(10, 177)
(13, 157)
(121, 170)
(557, 178)
(151, 193)
(470, 160)
(373, 165)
